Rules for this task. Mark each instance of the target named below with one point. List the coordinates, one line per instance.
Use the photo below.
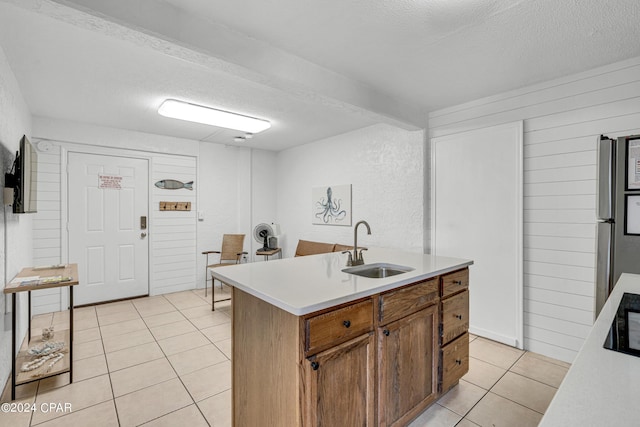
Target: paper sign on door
(110, 181)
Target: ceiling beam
(159, 26)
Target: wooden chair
(230, 254)
(339, 248)
(306, 247)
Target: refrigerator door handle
(604, 267)
(606, 177)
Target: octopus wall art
(332, 205)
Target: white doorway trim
(515, 130)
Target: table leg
(29, 340)
(70, 334)
(13, 346)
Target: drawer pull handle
(458, 361)
(315, 366)
(386, 332)
(346, 323)
(457, 282)
(459, 316)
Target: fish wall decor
(172, 184)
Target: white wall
(223, 192)
(385, 166)
(563, 119)
(264, 179)
(15, 231)
(232, 192)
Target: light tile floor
(165, 361)
(504, 387)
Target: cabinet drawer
(455, 362)
(337, 326)
(455, 282)
(401, 302)
(455, 316)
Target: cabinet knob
(315, 366)
(386, 332)
(346, 323)
(458, 361)
(459, 316)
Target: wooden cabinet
(455, 361)
(454, 337)
(377, 361)
(407, 363)
(340, 367)
(401, 302)
(336, 326)
(455, 316)
(341, 384)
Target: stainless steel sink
(378, 270)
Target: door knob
(143, 235)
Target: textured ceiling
(438, 53)
(316, 69)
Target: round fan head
(261, 233)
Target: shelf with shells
(42, 358)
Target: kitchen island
(602, 385)
(313, 345)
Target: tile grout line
(155, 340)
(176, 372)
(494, 384)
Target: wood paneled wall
(172, 258)
(563, 119)
(172, 243)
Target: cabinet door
(407, 366)
(341, 385)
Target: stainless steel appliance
(617, 252)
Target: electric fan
(261, 233)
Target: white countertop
(306, 284)
(602, 386)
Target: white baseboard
(511, 341)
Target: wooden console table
(36, 278)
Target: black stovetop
(624, 335)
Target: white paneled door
(477, 214)
(107, 197)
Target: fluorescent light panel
(210, 116)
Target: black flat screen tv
(25, 179)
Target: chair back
(306, 247)
(232, 245)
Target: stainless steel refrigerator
(618, 248)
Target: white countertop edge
(400, 280)
(602, 385)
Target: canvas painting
(331, 205)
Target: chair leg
(206, 271)
(213, 293)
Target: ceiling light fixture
(210, 116)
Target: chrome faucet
(357, 259)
